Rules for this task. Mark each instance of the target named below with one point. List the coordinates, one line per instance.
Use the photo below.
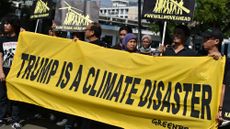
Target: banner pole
(164, 32)
(36, 28)
(85, 6)
(139, 23)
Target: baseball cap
(213, 33)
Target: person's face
(88, 32)
(122, 34)
(131, 45)
(210, 43)
(145, 42)
(8, 28)
(178, 38)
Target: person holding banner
(93, 34)
(225, 110)
(213, 38)
(130, 43)
(7, 49)
(178, 48)
(146, 48)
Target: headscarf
(126, 39)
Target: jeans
(5, 104)
(3, 100)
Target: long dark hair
(14, 21)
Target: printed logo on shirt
(8, 53)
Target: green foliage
(212, 13)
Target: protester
(7, 49)
(130, 43)
(146, 46)
(213, 38)
(178, 48)
(226, 94)
(51, 32)
(122, 32)
(93, 34)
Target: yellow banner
(124, 89)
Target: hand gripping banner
(128, 90)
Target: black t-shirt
(227, 73)
(184, 52)
(8, 48)
(226, 104)
(117, 46)
(99, 43)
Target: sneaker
(225, 123)
(2, 123)
(52, 117)
(62, 122)
(37, 116)
(16, 126)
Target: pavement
(36, 124)
(45, 123)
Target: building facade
(120, 14)
(120, 9)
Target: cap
(213, 33)
(128, 37)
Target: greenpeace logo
(167, 125)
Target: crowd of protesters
(128, 41)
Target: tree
(212, 13)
